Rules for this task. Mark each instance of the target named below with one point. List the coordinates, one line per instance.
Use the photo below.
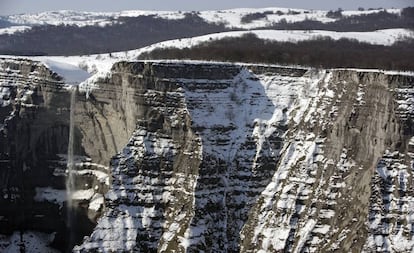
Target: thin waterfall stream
(70, 178)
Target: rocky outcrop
(214, 157)
(320, 197)
(391, 216)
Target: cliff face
(223, 158)
(330, 192)
(205, 145)
(32, 131)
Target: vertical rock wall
(332, 191)
(206, 144)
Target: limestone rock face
(33, 129)
(280, 160)
(332, 190)
(213, 157)
(34, 133)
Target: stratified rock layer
(274, 159)
(214, 157)
(34, 132)
(31, 132)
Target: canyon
(192, 156)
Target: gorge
(190, 156)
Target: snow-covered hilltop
(232, 18)
(74, 33)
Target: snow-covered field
(380, 37)
(233, 18)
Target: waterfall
(70, 179)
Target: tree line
(354, 23)
(321, 52)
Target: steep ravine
(212, 157)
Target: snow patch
(96, 202)
(14, 29)
(72, 74)
(33, 242)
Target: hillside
(75, 33)
(305, 48)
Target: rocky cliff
(34, 133)
(212, 157)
